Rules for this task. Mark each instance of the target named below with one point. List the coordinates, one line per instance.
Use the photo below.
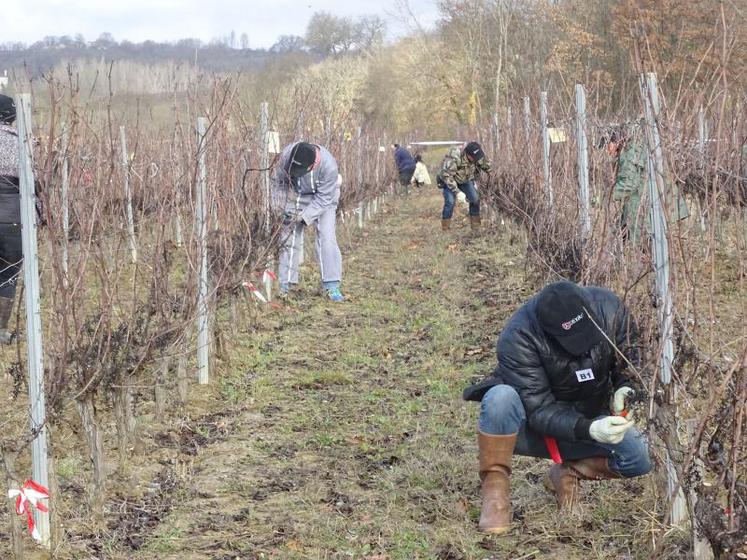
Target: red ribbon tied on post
(28, 497)
(254, 292)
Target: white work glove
(617, 402)
(610, 429)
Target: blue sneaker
(332, 290)
(334, 294)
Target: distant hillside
(215, 57)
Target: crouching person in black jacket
(559, 392)
(11, 247)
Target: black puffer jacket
(558, 401)
(10, 199)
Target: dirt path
(345, 434)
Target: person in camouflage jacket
(458, 171)
(628, 146)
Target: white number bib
(584, 375)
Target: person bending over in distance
(458, 171)
(306, 187)
(405, 165)
(421, 176)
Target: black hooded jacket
(559, 395)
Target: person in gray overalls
(307, 188)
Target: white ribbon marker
(28, 497)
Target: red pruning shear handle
(552, 448)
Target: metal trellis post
(660, 248)
(34, 347)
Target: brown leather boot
(475, 222)
(565, 478)
(445, 224)
(495, 472)
(6, 308)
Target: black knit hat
(303, 156)
(564, 311)
(474, 151)
(7, 109)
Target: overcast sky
(165, 20)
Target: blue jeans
(469, 191)
(502, 413)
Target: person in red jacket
(559, 388)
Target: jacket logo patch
(584, 375)
(568, 324)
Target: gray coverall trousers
(327, 250)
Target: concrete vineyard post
(583, 161)
(546, 175)
(128, 194)
(65, 186)
(527, 123)
(203, 324)
(264, 159)
(702, 153)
